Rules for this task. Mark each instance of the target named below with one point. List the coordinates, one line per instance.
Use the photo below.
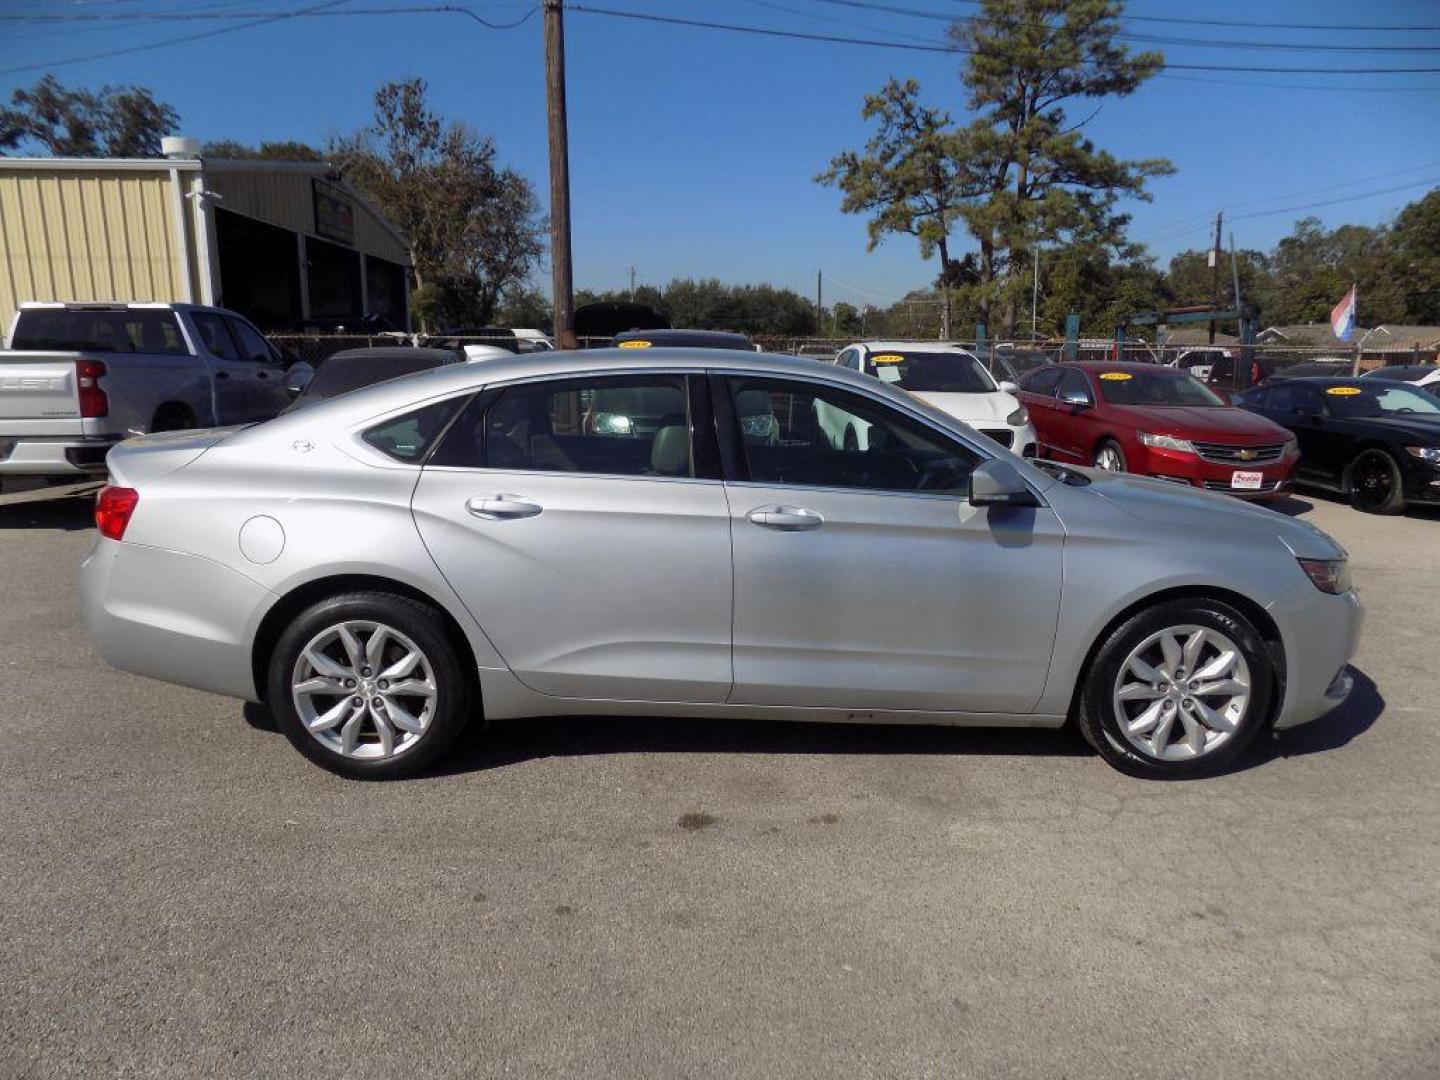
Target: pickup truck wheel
(173, 418)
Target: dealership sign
(334, 213)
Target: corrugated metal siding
(287, 199)
(86, 236)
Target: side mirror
(1009, 387)
(999, 483)
(1077, 398)
(297, 377)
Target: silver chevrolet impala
(674, 532)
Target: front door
(863, 577)
(589, 535)
(236, 395)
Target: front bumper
(1194, 471)
(1020, 440)
(32, 456)
(171, 616)
(1321, 633)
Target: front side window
(253, 345)
(932, 372)
(615, 426)
(815, 436)
(1042, 381)
(1075, 387)
(217, 339)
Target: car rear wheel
(1110, 456)
(369, 685)
(1375, 484)
(1177, 691)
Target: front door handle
(262, 374)
(502, 507)
(785, 518)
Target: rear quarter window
(408, 438)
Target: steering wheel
(935, 474)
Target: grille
(1224, 485)
(1004, 436)
(1228, 454)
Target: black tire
(852, 441)
(454, 677)
(1097, 719)
(1111, 444)
(173, 418)
(1375, 484)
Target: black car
(1305, 369)
(1376, 441)
(350, 369)
(683, 339)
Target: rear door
(584, 524)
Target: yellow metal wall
(86, 235)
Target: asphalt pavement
(184, 895)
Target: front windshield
(1159, 387)
(1379, 400)
(933, 372)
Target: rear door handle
(785, 518)
(502, 507)
(262, 374)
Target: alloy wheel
(1374, 481)
(1108, 458)
(1182, 693)
(364, 690)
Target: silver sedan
(675, 533)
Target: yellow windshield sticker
(634, 345)
(1343, 391)
(887, 358)
(1116, 376)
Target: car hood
(1196, 512)
(1200, 422)
(986, 408)
(1427, 432)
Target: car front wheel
(1177, 691)
(1375, 484)
(1110, 456)
(369, 685)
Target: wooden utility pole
(1215, 271)
(819, 302)
(561, 276)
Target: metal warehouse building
(288, 244)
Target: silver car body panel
(617, 598)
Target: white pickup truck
(77, 378)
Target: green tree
(1416, 236)
(474, 227)
(525, 306)
(1021, 173)
(284, 150)
(114, 121)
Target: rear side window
(85, 330)
(407, 438)
(613, 426)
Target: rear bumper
(29, 455)
(170, 616)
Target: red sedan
(1158, 422)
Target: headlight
(1292, 445)
(1329, 575)
(1166, 442)
(1018, 417)
(1425, 453)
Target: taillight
(93, 402)
(113, 507)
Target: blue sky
(693, 152)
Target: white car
(945, 376)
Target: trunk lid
(147, 457)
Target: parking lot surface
(185, 895)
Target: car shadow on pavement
(1290, 506)
(70, 511)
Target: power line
(258, 19)
(1344, 199)
(741, 28)
(1382, 27)
(940, 16)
